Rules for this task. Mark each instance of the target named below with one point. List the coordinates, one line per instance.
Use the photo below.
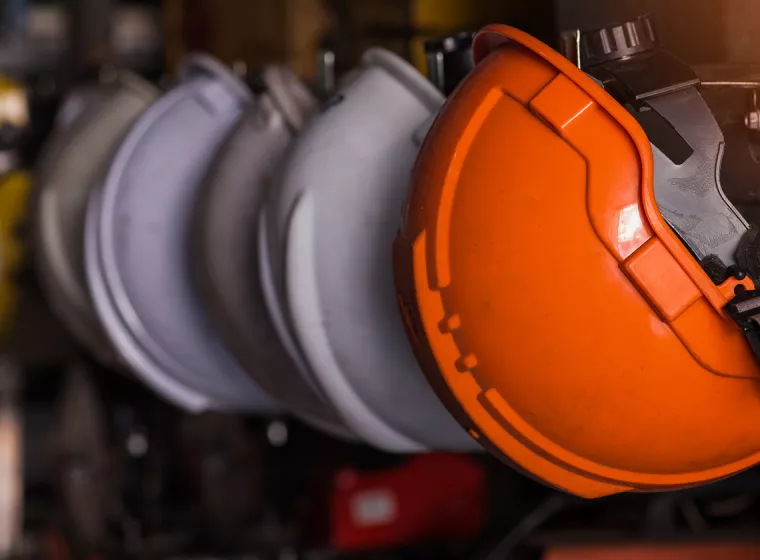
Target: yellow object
(15, 187)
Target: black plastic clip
(744, 309)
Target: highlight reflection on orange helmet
(577, 288)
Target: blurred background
(95, 466)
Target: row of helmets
(578, 292)
(231, 246)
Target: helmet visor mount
(663, 95)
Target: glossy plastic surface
(330, 229)
(137, 245)
(556, 314)
(224, 243)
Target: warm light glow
(631, 231)
(14, 109)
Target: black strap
(748, 253)
(745, 310)
(662, 92)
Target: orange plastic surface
(661, 280)
(551, 307)
(494, 36)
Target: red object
(431, 498)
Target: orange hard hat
(565, 312)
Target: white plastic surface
(137, 245)
(224, 244)
(90, 128)
(326, 238)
